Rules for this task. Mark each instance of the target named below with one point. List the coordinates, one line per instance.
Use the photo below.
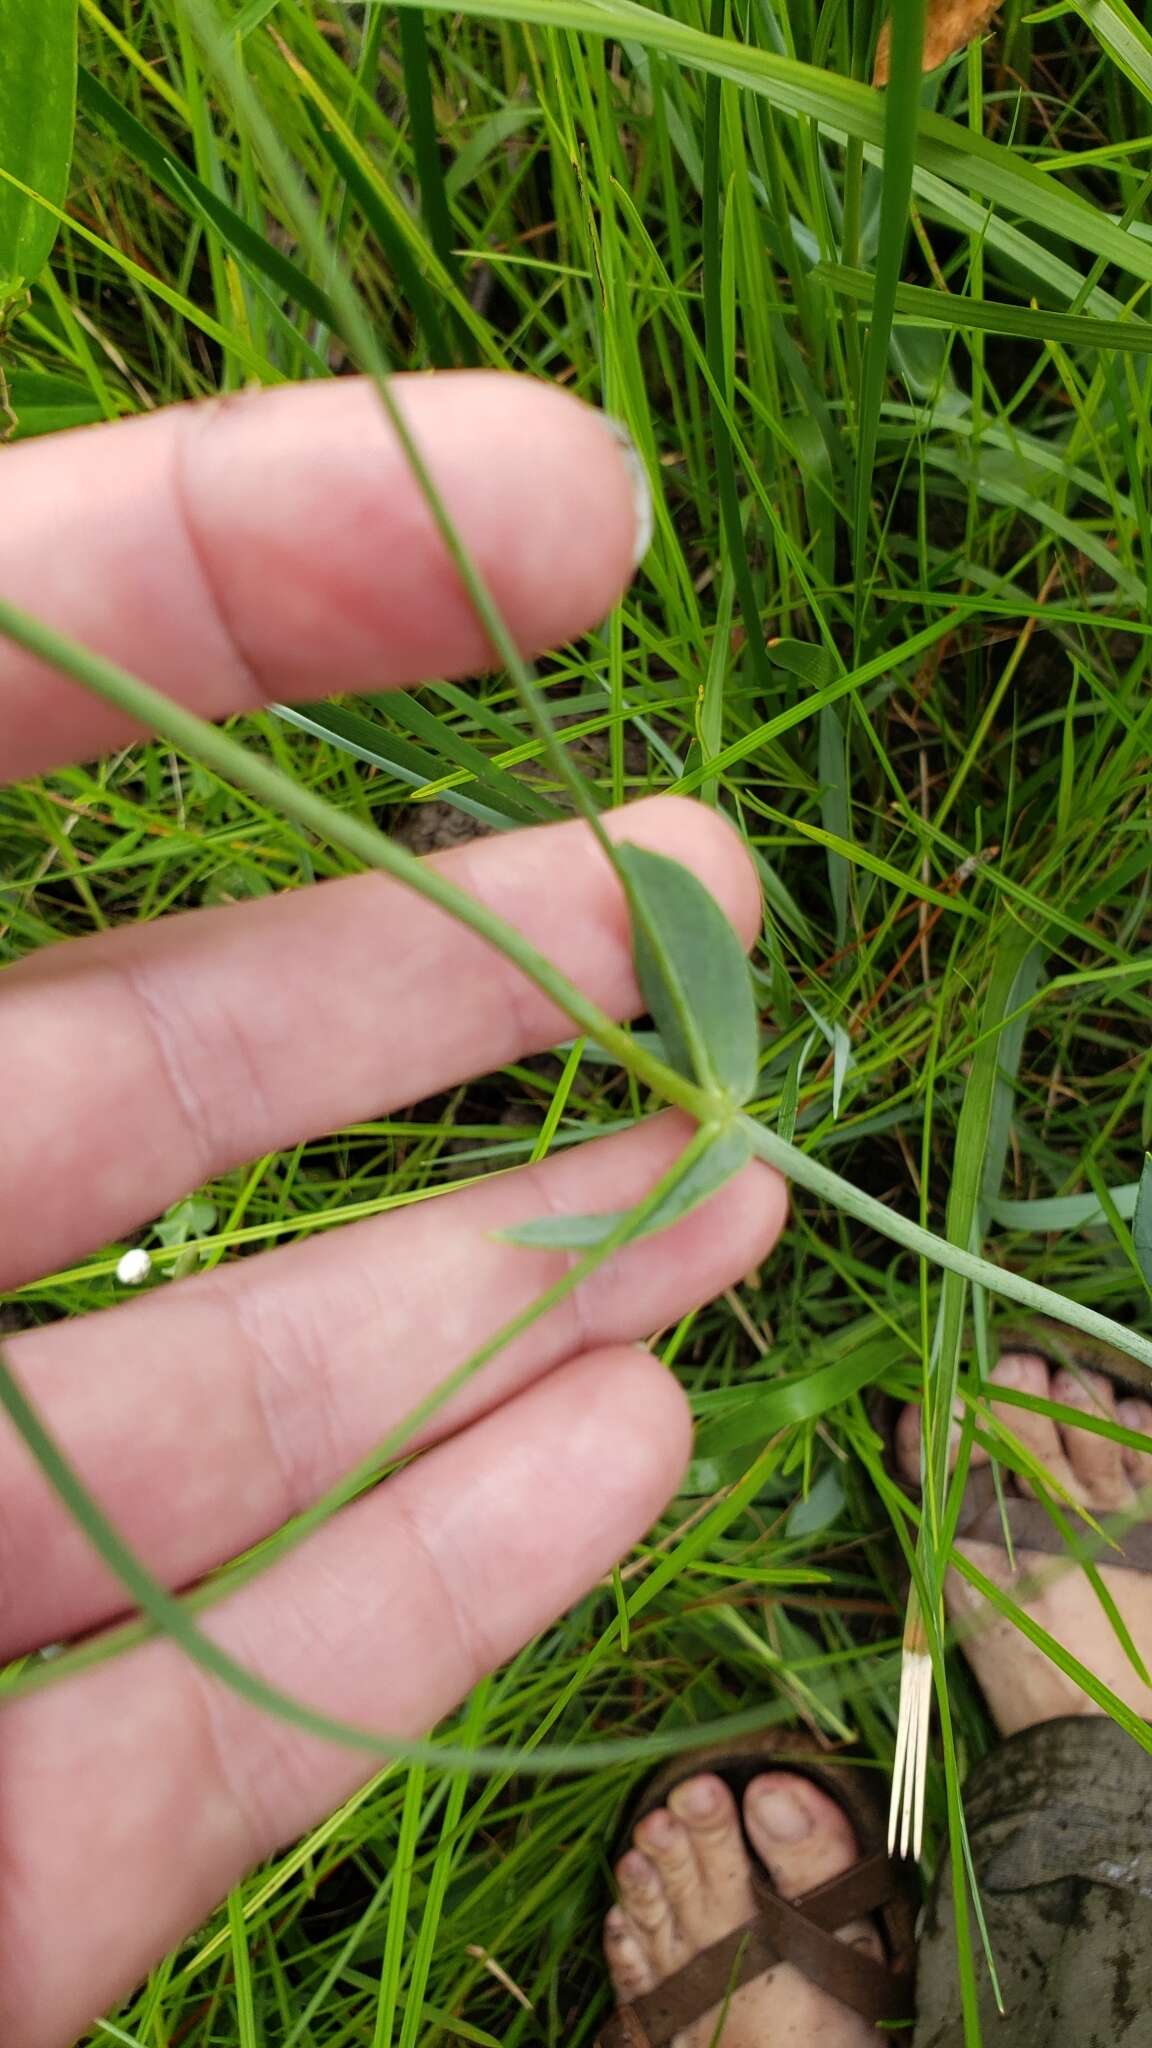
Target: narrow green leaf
(187, 189)
(251, 16)
(726, 1155)
(818, 1508)
(759, 1411)
(1142, 1221)
(1062, 1212)
(900, 141)
(425, 141)
(373, 744)
(1119, 31)
(720, 364)
(37, 117)
(420, 297)
(916, 305)
(951, 159)
(693, 973)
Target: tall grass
(895, 622)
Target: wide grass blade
(37, 116)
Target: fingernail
(782, 1815)
(697, 1798)
(643, 515)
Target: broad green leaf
(818, 1508)
(43, 403)
(37, 117)
(815, 666)
(693, 974)
(195, 1216)
(1142, 1221)
(725, 1157)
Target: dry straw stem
(950, 26)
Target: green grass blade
(37, 116)
(902, 108)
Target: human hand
(275, 544)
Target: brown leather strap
(801, 1934)
(623, 2030)
(1031, 1526)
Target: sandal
(801, 1932)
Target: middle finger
(142, 1062)
(205, 1415)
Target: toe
(1037, 1435)
(803, 1838)
(625, 1951)
(909, 1436)
(665, 1841)
(1137, 1415)
(649, 1908)
(723, 1897)
(1097, 1461)
(909, 1424)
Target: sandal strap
(1031, 1526)
(801, 1934)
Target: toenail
(699, 1798)
(660, 1828)
(1018, 1368)
(780, 1813)
(636, 1871)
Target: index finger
(276, 544)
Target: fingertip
(652, 1423)
(732, 1232)
(705, 840)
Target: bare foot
(687, 1881)
(1019, 1683)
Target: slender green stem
(829, 1187)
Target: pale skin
(686, 1880)
(275, 546)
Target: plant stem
(821, 1181)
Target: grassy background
(943, 764)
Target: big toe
(804, 1839)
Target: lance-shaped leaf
(693, 974)
(727, 1154)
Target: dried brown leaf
(950, 26)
